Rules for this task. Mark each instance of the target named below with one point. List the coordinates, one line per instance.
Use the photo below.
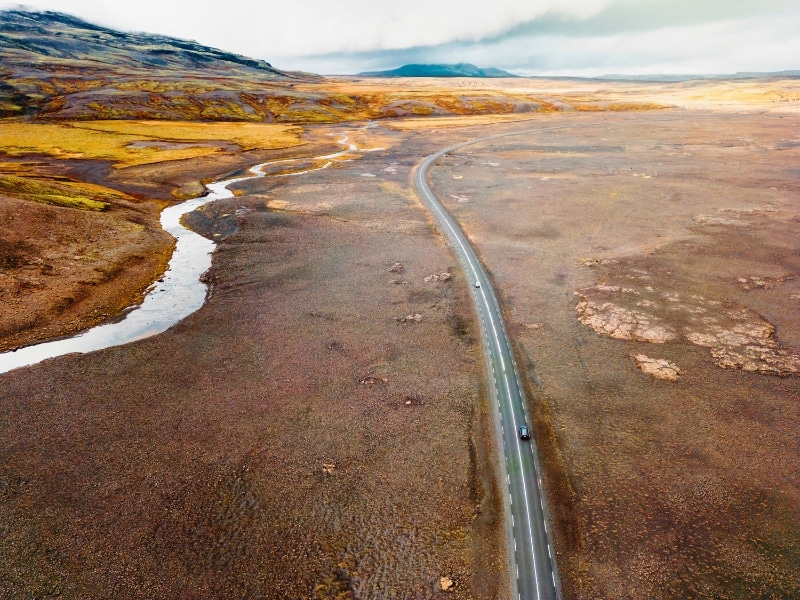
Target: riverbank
(66, 270)
(181, 290)
(85, 242)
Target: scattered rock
(370, 380)
(321, 315)
(596, 262)
(446, 584)
(711, 220)
(328, 468)
(443, 276)
(762, 283)
(400, 282)
(752, 283)
(414, 400)
(458, 198)
(397, 268)
(749, 211)
(658, 367)
(415, 318)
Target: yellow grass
(110, 140)
(431, 122)
(249, 136)
(68, 194)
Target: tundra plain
(320, 427)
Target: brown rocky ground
(297, 437)
(317, 429)
(64, 269)
(669, 238)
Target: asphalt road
(533, 568)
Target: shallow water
(173, 297)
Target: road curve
(534, 573)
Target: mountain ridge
(54, 65)
(53, 40)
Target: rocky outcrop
(658, 367)
(415, 318)
(749, 345)
(737, 337)
(443, 276)
(613, 320)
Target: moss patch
(109, 140)
(68, 194)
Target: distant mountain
(457, 70)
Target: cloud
(524, 36)
(643, 15)
(648, 36)
(712, 48)
(321, 26)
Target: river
(176, 295)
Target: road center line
(497, 346)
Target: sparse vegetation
(115, 141)
(679, 235)
(68, 194)
(279, 455)
(326, 407)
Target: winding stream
(176, 295)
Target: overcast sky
(527, 37)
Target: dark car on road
(523, 432)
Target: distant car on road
(523, 433)
(477, 284)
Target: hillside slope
(47, 56)
(55, 42)
(54, 67)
